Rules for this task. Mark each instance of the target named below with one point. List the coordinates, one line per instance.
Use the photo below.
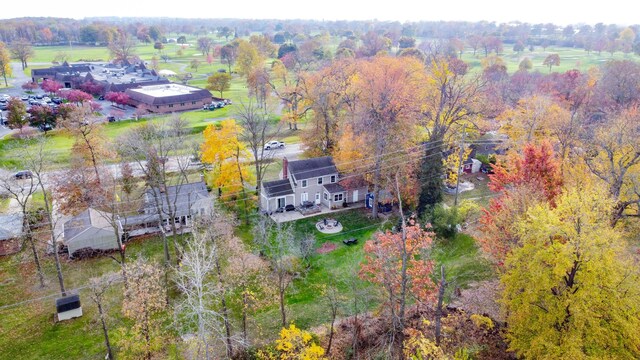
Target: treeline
(599, 37)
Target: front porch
(297, 215)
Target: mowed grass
(28, 331)
(570, 58)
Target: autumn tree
(248, 58)
(119, 98)
(143, 302)
(122, 47)
(17, 114)
(525, 64)
(90, 141)
(612, 155)
(5, 63)
(21, 50)
(451, 99)
(551, 60)
(385, 115)
(525, 180)
(259, 88)
(228, 55)
(51, 86)
(399, 263)
(264, 45)
(329, 92)
(42, 117)
(224, 150)
(195, 64)
(571, 290)
(219, 82)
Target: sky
(560, 12)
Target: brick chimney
(285, 165)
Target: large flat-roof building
(167, 98)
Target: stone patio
(295, 215)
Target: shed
(68, 307)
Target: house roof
(90, 218)
(277, 188)
(334, 188)
(183, 196)
(122, 87)
(10, 226)
(167, 94)
(310, 168)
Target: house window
(333, 178)
(181, 104)
(170, 105)
(320, 180)
(304, 183)
(193, 102)
(337, 197)
(326, 196)
(157, 106)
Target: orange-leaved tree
(399, 262)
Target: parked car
(289, 207)
(46, 99)
(39, 96)
(275, 144)
(111, 118)
(24, 98)
(56, 100)
(24, 174)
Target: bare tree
(218, 229)
(21, 191)
(21, 50)
(334, 299)
(99, 287)
(35, 158)
(194, 279)
(122, 47)
(279, 251)
(257, 131)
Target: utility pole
(464, 133)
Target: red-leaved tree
(119, 98)
(525, 180)
(91, 87)
(383, 262)
(536, 167)
(76, 96)
(51, 86)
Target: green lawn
(28, 331)
(463, 261)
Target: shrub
(482, 321)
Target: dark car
(56, 100)
(289, 207)
(24, 174)
(111, 118)
(100, 97)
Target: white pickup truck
(272, 145)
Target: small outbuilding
(68, 307)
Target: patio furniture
(351, 241)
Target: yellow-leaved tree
(571, 290)
(229, 158)
(294, 344)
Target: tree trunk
(281, 289)
(36, 259)
(331, 330)
(443, 286)
(225, 312)
(105, 331)
(245, 303)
